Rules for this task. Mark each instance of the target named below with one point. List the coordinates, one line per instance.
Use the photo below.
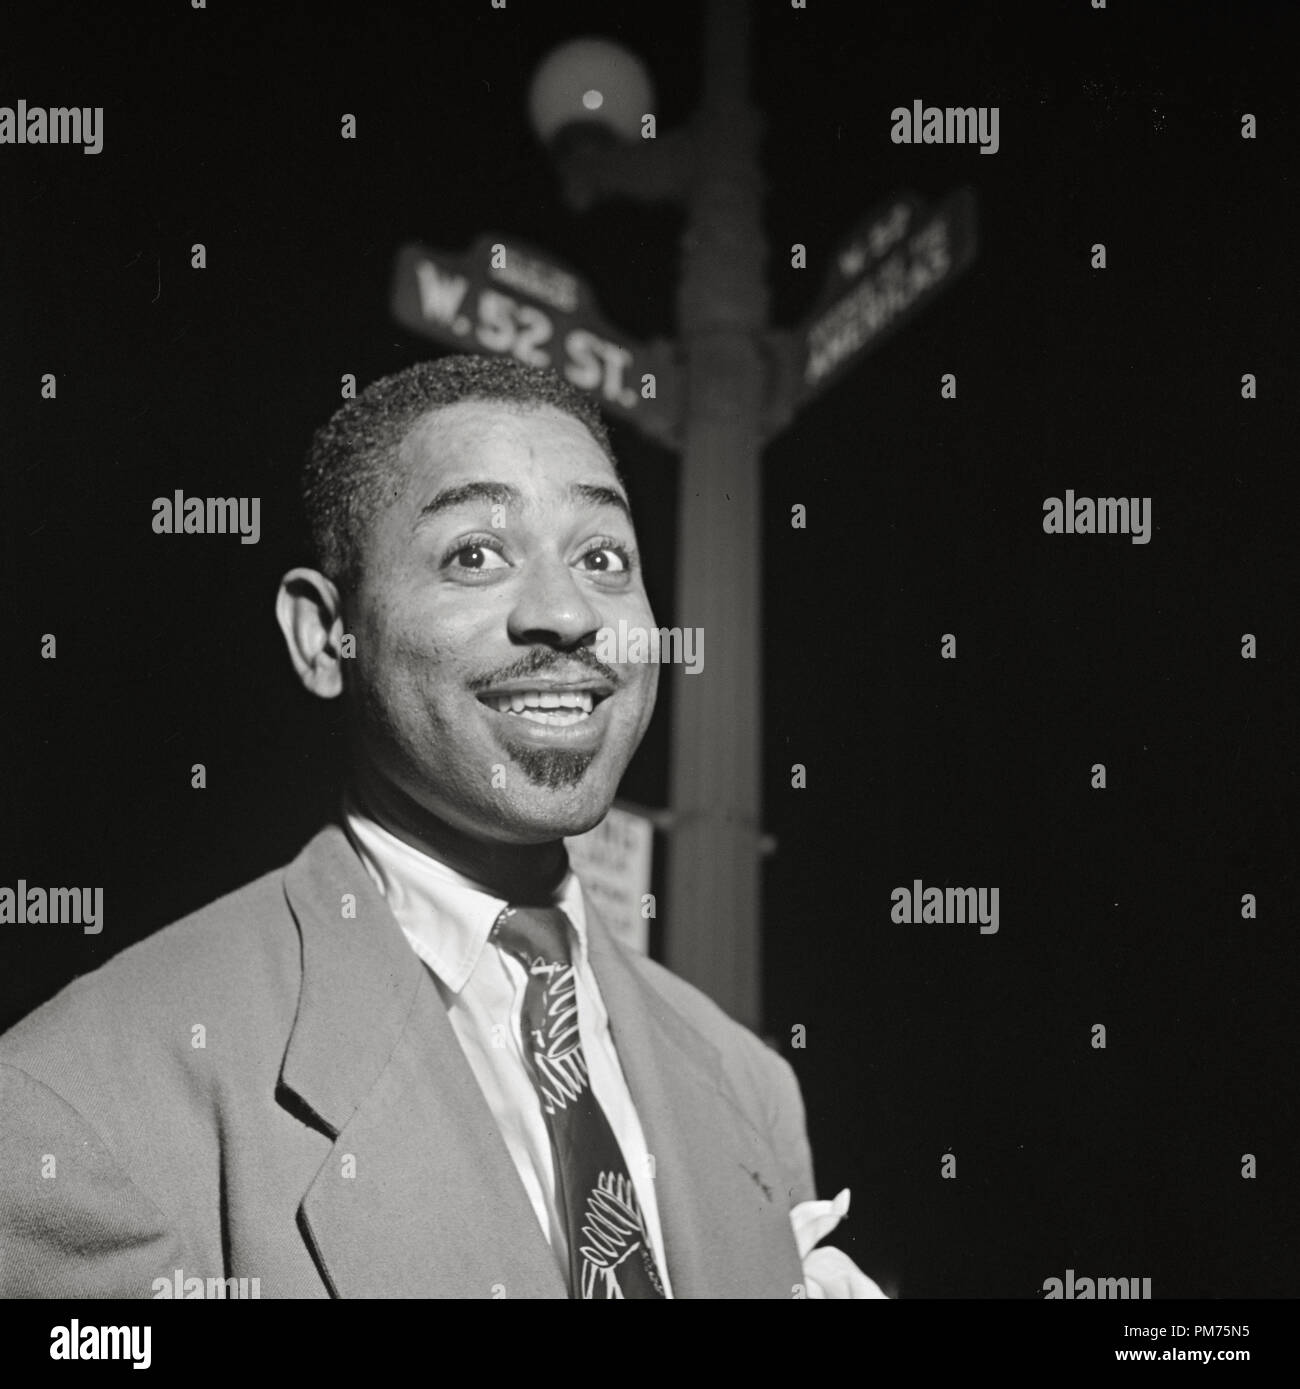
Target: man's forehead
(487, 453)
(470, 432)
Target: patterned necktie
(609, 1249)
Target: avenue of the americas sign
(892, 265)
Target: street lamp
(587, 103)
(584, 103)
(590, 81)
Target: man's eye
(477, 557)
(606, 559)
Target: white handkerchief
(828, 1273)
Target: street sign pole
(713, 908)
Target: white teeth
(553, 716)
(546, 706)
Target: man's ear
(310, 613)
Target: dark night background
(924, 517)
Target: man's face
(502, 552)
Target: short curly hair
(347, 471)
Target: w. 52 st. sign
(505, 297)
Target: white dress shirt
(447, 919)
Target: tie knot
(534, 933)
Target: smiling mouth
(557, 708)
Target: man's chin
(558, 798)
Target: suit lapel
(418, 1196)
(717, 1184)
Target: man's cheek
(652, 694)
(367, 643)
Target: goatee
(556, 769)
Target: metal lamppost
(587, 101)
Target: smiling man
(497, 542)
(414, 1063)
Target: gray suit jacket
(273, 1089)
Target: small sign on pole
(612, 862)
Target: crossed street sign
(505, 296)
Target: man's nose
(553, 607)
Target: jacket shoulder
(219, 967)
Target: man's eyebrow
(601, 496)
(495, 493)
(502, 494)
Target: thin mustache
(542, 664)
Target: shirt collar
(446, 916)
